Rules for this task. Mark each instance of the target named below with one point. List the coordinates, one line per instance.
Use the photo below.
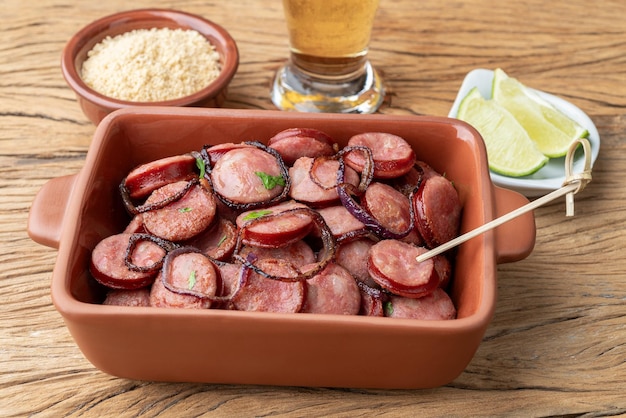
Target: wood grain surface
(557, 343)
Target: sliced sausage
(389, 207)
(230, 279)
(414, 238)
(270, 295)
(135, 225)
(294, 143)
(146, 178)
(393, 155)
(443, 266)
(353, 256)
(342, 223)
(304, 189)
(191, 272)
(123, 297)
(425, 170)
(227, 212)
(349, 275)
(371, 305)
(392, 264)
(437, 210)
(409, 182)
(218, 241)
(332, 291)
(238, 175)
(108, 265)
(274, 226)
(181, 219)
(435, 306)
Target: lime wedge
(510, 150)
(552, 131)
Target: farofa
(149, 65)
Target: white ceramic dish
(552, 175)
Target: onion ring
(166, 245)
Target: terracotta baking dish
(73, 213)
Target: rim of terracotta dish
(68, 305)
(125, 21)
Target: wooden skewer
(573, 184)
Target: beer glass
(328, 69)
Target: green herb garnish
(269, 181)
(192, 279)
(256, 214)
(201, 166)
(222, 240)
(388, 308)
(185, 209)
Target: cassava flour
(148, 65)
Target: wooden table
(557, 343)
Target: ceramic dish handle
(45, 220)
(515, 239)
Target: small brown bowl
(75, 212)
(96, 105)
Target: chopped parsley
(185, 210)
(256, 214)
(192, 279)
(269, 181)
(201, 166)
(222, 240)
(388, 308)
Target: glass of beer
(328, 70)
